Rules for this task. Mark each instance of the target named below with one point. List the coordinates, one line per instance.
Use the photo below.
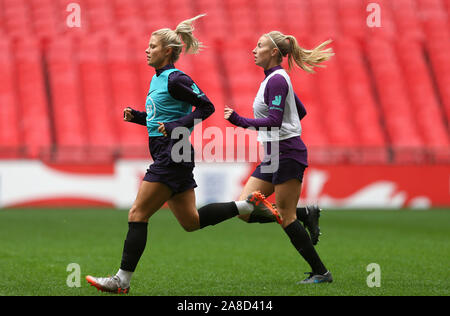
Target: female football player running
(168, 107)
(278, 112)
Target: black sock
(301, 241)
(215, 213)
(260, 219)
(134, 245)
(301, 215)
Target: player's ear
(274, 52)
(169, 51)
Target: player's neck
(166, 66)
(163, 64)
(271, 64)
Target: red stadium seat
(62, 17)
(242, 18)
(35, 116)
(390, 85)
(215, 25)
(67, 115)
(128, 17)
(100, 125)
(434, 18)
(16, 21)
(101, 15)
(313, 127)
(269, 16)
(45, 19)
(387, 29)
(437, 48)
(9, 112)
(324, 18)
(447, 6)
(337, 115)
(297, 17)
(407, 20)
(212, 85)
(156, 18)
(124, 91)
(138, 57)
(244, 77)
(386, 89)
(185, 63)
(360, 99)
(180, 10)
(352, 17)
(424, 101)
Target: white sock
(125, 277)
(244, 207)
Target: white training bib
(290, 126)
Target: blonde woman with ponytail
(278, 112)
(168, 106)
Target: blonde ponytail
(184, 30)
(306, 59)
(171, 38)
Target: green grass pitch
(230, 259)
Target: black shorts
(178, 180)
(288, 169)
(178, 176)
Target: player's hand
(228, 112)
(162, 129)
(127, 116)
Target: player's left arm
(183, 88)
(301, 110)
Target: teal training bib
(161, 106)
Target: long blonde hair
(180, 37)
(306, 59)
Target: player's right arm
(276, 87)
(133, 116)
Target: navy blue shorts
(288, 169)
(178, 176)
(178, 180)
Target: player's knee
(288, 215)
(288, 221)
(190, 224)
(190, 229)
(136, 214)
